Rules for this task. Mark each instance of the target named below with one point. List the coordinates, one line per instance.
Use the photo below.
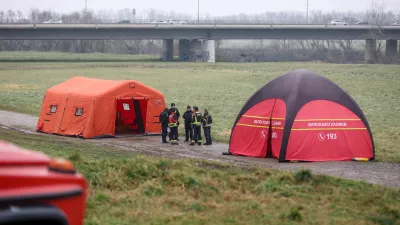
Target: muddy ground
(382, 173)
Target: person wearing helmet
(187, 116)
(196, 124)
(173, 126)
(207, 121)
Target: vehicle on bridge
(338, 22)
(53, 21)
(37, 189)
(159, 22)
(181, 22)
(362, 23)
(124, 21)
(395, 24)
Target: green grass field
(222, 87)
(131, 189)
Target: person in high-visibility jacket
(207, 121)
(173, 126)
(196, 123)
(164, 120)
(177, 114)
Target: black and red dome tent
(302, 116)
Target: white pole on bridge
(198, 11)
(307, 11)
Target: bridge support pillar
(370, 51)
(209, 51)
(197, 50)
(168, 50)
(392, 50)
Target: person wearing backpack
(207, 122)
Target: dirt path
(386, 174)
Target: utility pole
(198, 11)
(307, 11)
(85, 12)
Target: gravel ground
(382, 173)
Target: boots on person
(191, 143)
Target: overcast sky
(214, 7)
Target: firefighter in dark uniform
(173, 126)
(196, 124)
(177, 115)
(207, 121)
(164, 118)
(187, 116)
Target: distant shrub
(76, 157)
(196, 206)
(101, 197)
(383, 220)
(190, 182)
(293, 215)
(303, 176)
(152, 191)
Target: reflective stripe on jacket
(172, 120)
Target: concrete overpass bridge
(196, 41)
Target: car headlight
(61, 165)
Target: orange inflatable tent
(90, 108)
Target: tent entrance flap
(131, 116)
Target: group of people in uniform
(194, 120)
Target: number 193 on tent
(330, 136)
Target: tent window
(79, 112)
(126, 106)
(53, 108)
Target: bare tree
(258, 50)
(346, 45)
(20, 16)
(376, 16)
(10, 16)
(33, 15)
(376, 13)
(2, 17)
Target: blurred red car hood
(12, 155)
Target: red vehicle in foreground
(35, 189)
